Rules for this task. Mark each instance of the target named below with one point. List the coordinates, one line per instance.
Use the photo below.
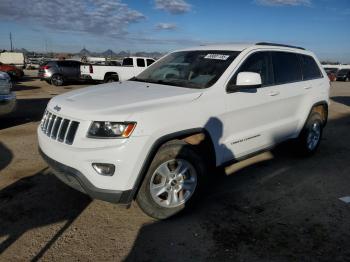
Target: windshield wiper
(180, 83)
(138, 79)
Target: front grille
(58, 128)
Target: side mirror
(246, 81)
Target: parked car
(156, 137)
(130, 67)
(14, 72)
(13, 58)
(59, 72)
(7, 98)
(331, 73)
(343, 75)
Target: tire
(111, 79)
(311, 135)
(57, 80)
(347, 79)
(161, 195)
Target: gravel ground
(272, 207)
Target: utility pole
(11, 42)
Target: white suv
(155, 137)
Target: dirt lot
(273, 207)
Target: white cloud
(109, 17)
(284, 2)
(165, 26)
(173, 6)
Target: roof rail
(273, 44)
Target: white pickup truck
(131, 66)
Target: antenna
(11, 42)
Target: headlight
(99, 129)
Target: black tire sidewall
(166, 153)
(54, 82)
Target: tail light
(91, 69)
(45, 67)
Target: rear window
(150, 62)
(128, 62)
(286, 67)
(310, 68)
(140, 62)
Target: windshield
(192, 69)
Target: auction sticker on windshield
(217, 56)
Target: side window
(286, 67)
(75, 64)
(257, 63)
(310, 68)
(150, 62)
(128, 62)
(140, 62)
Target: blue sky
(164, 25)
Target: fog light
(104, 169)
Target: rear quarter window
(150, 62)
(310, 68)
(286, 67)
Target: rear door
(290, 91)
(75, 67)
(141, 65)
(65, 69)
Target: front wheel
(172, 182)
(311, 135)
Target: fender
(110, 74)
(323, 103)
(155, 147)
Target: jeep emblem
(57, 108)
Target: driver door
(250, 112)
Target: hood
(120, 99)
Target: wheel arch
(108, 74)
(194, 136)
(320, 107)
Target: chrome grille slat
(62, 133)
(46, 122)
(51, 123)
(55, 127)
(59, 128)
(44, 119)
(65, 136)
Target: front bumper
(78, 181)
(7, 103)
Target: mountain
(123, 54)
(149, 54)
(109, 53)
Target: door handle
(274, 93)
(308, 87)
